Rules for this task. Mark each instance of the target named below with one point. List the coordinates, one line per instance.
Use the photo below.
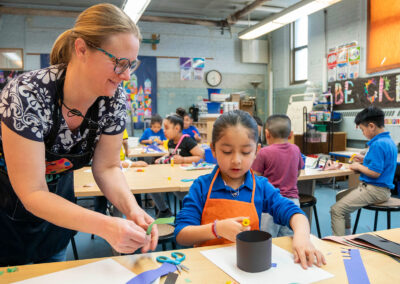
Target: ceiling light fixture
(135, 8)
(291, 14)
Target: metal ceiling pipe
(38, 12)
(177, 20)
(232, 19)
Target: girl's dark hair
(175, 120)
(234, 118)
(181, 112)
(371, 114)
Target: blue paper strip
(151, 275)
(355, 270)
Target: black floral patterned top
(27, 104)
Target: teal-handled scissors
(178, 258)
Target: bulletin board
(297, 103)
(383, 37)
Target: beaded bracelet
(214, 229)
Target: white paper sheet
(286, 270)
(100, 272)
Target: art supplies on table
(150, 276)
(177, 258)
(286, 271)
(368, 241)
(355, 270)
(200, 166)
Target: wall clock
(213, 78)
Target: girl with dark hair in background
(188, 128)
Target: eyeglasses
(121, 64)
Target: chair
(166, 235)
(392, 205)
(75, 251)
(310, 201)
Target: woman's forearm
(112, 183)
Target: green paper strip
(12, 269)
(1, 272)
(169, 220)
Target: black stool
(166, 235)
(392, 205)
(310, 201)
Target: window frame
(293, 50)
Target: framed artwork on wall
(11, 59)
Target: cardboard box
(248, 106)
(235, 98)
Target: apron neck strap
(215, 176)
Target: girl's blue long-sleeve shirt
(267, 199)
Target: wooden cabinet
(339, 144)
(205, 126)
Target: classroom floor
(88, 248)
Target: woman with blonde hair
(57, 119)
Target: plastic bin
(320, 127)
(213, 107)
(213, 91)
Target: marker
(352, 157)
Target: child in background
(188, 128)
(217, 203)
(377, 169)
(182, 149)
(154, 134)
(281, 163)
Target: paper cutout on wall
(141, 91)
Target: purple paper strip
(355, 270)
(151, 275)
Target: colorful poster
(354, 53)
(382, 91)
(332, 60)
(198, 68)
(186, 68)
(141, 91)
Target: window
(299, 51)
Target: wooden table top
(155, 178)
(142, 151)
(380, 268)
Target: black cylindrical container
(253, 251)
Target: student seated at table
(182, 149)
(154, 134)
(217, 203)
(377, 169)
(281, 163)
(188, 128)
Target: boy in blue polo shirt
(377, 169)
(154, 134)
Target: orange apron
(219, 209)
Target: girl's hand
(305, 252)
(157, 161)
(229, 228)
(142, 219)
(196, 136)
(178, 159)
(124, 235)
